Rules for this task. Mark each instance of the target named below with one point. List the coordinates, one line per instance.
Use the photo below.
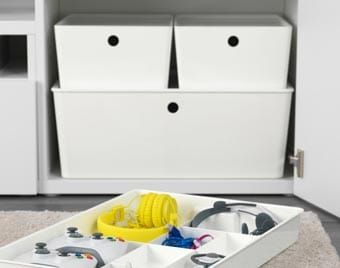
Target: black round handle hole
(113, 40)
(173, 107)
(233, 41)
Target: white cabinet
(18, 140)
(318, 104)
(18, 105)
(313, 71)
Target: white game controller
(43, 256)
(105, 250)
(74, 250)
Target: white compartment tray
(172, 133)
(239, 250)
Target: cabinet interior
(13, 56)
(47, 13)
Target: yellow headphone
(153, 214)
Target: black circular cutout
(113, 40)
(233, 41)
(173, 107)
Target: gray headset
(263, 221)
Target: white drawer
(114, 51)
(133, 134)
(232, 51)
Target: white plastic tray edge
(264, 248)
(259, 251)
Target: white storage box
(232, 51)
(239, 250)
(114, 51)
(172, 134)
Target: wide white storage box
(239, 250)
(232, 51)
(172, 133)
(114, 51)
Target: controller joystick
(73, 233)
(40, 249)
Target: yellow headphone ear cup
(141, 209)
(156, 210)
(147, 219)
(164, 211)
(159, 210)
(174, 211)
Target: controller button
(97, 236)
(89, 257)
(40, 245)
(121, 239)
(63, 254)
(111, 239)
(78, 255)
(72, 230)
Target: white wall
(172, 6)
(16, 3)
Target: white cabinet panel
(318, 103)
(18, 141)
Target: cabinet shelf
(58, 185)
(14, 70)
(17, 20)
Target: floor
(77, 203)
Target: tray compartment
(232, 222)
(169, 134)
(153, 256)
(228, 244)
(232, 51)
(114, 51)
(194, 233)
(60, 242)
(265, 247)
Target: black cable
(247, 212)
(195, 259)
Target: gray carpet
(313, 249)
